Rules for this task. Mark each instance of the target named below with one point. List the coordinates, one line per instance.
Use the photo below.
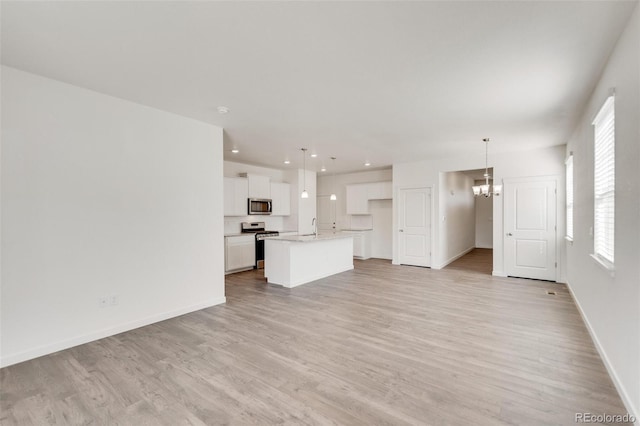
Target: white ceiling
(380, 81)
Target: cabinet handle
(509, 234)
(401, 230)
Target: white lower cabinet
(240, 252)
(361, 244)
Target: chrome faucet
(314, 223)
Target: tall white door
(326, 213)
(414, 227)
(530, 228)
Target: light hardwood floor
(379, 345)
(478, 260)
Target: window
(604, 183)
(569, 181)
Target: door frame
(560, 206)
(333, 208)
(396, 216)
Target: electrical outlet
(114, 300)
(103, 302)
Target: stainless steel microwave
(259, 206)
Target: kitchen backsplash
(232, 223)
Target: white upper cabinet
(358, 199)
(281, 199)
(358, 195)
(380, 191)
(236, 194)
(259, 186)
(237, 190)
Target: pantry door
(326, 213)
(530, 228)
(414, 227)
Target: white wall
(381, 217)
(611, 304)
(484, 222)
(302, 210)
(233, 169)
(382, 234)
(102, 197)
(456, 216)
(306, 206)
(338, 183)
(541, 162)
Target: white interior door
(530, 228)
(326, 213)
(414, 227)
(382, 234)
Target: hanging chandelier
(486, 190)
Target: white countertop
(358, 229)
(241, 234)
(311, 238)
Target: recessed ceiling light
(314, 155)
(235, 150)
(324, 169)
(223, 110)
(287, 162)
(367, 164)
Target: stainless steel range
(261, 234)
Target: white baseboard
(626, 400)
(106, 332)
(454, 258)
(498, 274)
(485, 247)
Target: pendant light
(333, 180)
(304, 194)
(485, 190)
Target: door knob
(509, 234)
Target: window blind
(604, 181)
(569, 192)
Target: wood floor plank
(382, 344)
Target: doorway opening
(467, 222)
(478, 260)
(531, 234)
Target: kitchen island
(291, 261)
